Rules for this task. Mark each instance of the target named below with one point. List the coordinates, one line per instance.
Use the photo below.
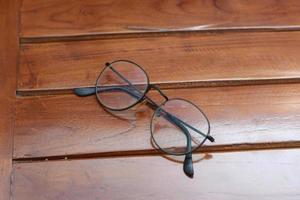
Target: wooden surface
(203, 59)
(8, 65)
(67, 124)
(247, 52)
(265, 175)
(76, 17)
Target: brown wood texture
(76, 17)
(265, 175)
(64, 44)
(8, 66)
(203, 59)
(66, 124)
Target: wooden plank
(68, 125)
(265, 175)
(201, 59)
(8, 64)
(55, 18)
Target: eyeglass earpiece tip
(188, 166)
(210, 138)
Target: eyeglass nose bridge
(160, 92)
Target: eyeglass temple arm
(152, 103)
(209, 137)
(92, 90)
(154, 106)
(88, 91)
(83, 92)
(188, 160)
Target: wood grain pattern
(87, 34)
(204, 59)
(66, 124)
(76, 17)
(8, 65)
(265, 175)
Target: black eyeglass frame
(141, 99)
(188, 167)
(193, 149)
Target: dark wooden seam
(148, 33)
(204, 149)
(175, 85)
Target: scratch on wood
(191, 28)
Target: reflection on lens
(169, 127)
(121, 85)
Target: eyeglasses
(178, 127)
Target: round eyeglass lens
(178, 127)
(121, 85)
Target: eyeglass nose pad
(158, 112)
